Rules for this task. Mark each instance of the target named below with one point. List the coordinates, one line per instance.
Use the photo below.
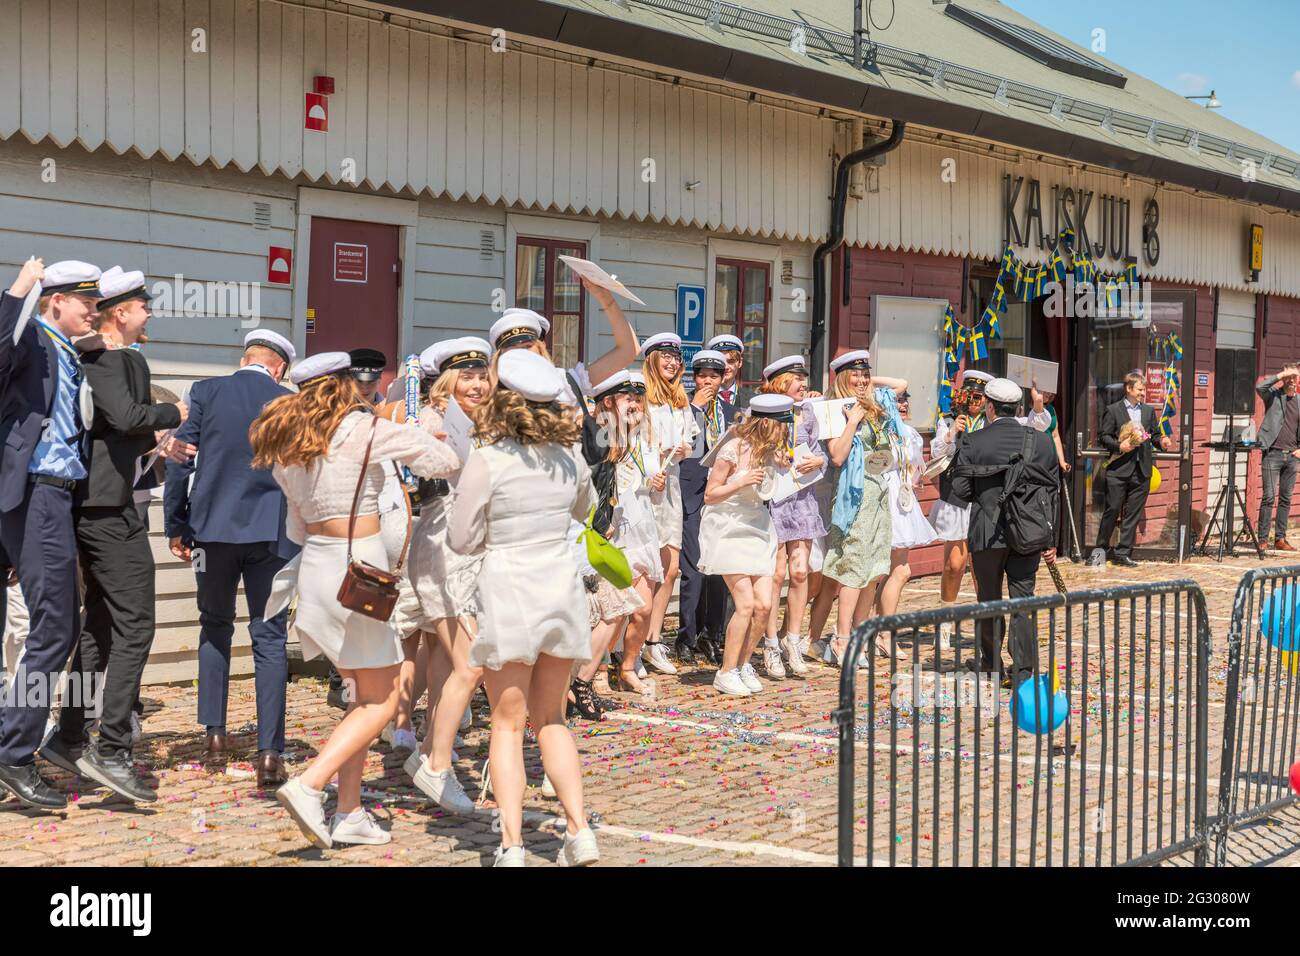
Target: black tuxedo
(1128, 477)
(980, 475)
(702, 604)
(113, 544)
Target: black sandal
(586, 702)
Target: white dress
(909, 527)
(517, 502)
(670, 427)
(634, 528)
(737, 535)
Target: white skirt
(950, 522)
(737, 537)
(437, 573)
(531, 602)
(668, 511)
(350, 641)
(817, 555)
(636, 534)
(909, 528)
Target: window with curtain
(549, 287)
(741, 307)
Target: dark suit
(1280, 465)
(702, 604)
(980, 471)
(234, 517)
(35, 528)
(1128, 477)
(116, 560)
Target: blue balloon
(1279, 619)
(1031, 699)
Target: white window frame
(550, 227)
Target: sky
(1247, 51)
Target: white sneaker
(659, 659)
(466, 719)
(511, 857)
(639, 668)
(730, 683)
(772, 665)
(411, 766)
(945, 636)
(750, 678)
(579, 849)
(548, 788)
(135, 727)
(308, 812)
(805, 643)
(793, 655)
(362, 832)
(405, 740)
(444, 789)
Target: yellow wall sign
(1256, 248)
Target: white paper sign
(459, 430)
(728, 436)
(594, 273)
(790, 482)
(1025, 372)
(831, 416)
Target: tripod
(1230, 495)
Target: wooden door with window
(549, 287)
(742, 300)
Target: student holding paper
(797, 519)
(910, 529)
(455, 370)
(737, 537)
(673, 430)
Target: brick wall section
(882, 272)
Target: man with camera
(1279, 434)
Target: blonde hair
(781, 384)
(660, 391)
(766, 438)
(495, 361)
(840, 388)
(616, 431)
(507, 414)
(297, 429)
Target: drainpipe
(817, 343)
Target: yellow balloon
(1155, 479)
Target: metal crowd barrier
(951, 779)
(1262, 700)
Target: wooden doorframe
(333, 204)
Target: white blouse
(325, 488)
(670, 427)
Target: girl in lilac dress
(797, 519)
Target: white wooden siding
(416, 109)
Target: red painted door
(352, 290)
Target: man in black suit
(1128, 473)
(703, 599)
(982, 467)
(112, 541)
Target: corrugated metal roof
(933, 56)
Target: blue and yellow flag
(979, 348)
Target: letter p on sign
(690, 313)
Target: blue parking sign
(690, 313)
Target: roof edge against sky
(627, 40)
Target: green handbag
(606, 558)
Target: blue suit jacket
(230, 502)
(693, 476)
(28, 373)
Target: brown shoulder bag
(367, 589)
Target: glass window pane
(726, 289)
(564, 340)
(755, 296)
(530, 277)
(755, 339)
(568, 289)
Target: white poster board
(906, 342)
(1026, 371)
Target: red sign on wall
(317, 112)
(1156, 384)
(351, 262)
(279, 264)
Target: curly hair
(507, 414)
(296, 429)
(766, 438)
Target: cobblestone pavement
(683, 778)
